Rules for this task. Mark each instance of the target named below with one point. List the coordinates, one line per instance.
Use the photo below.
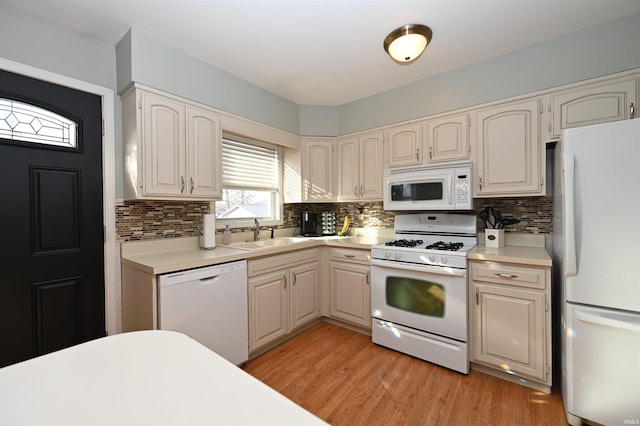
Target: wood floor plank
(345, 379)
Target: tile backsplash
(147, 220)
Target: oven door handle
(440, 270)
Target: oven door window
(425, 191)
(417, 296)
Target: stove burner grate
(441, 245)
(403, 243)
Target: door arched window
(24, 122)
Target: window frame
(277, 195)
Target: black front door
(52, 280)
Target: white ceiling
(330, 52)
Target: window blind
(248, 164)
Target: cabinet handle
(285, 281)
(368, 278)
(181, 184)
(632, 111)
(355, 190)
(350, 256)
(506, 275)
(477, 296)
(190, 185)
(293, 279)
(430, 153)
(361, 190)
(480, 182)
(418, 154)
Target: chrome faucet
(256, 230)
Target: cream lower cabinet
(351, 286)
(283, 295)
(511, 320)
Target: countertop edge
(535, 256)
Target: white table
(140, 378)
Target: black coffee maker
(309, 224)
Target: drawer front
(280, 261)
(351, 255)
(509, 274)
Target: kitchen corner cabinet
(593, 103)
(446, 138)
(172, 148)
(403, 146)
(283, 295)
(360, 167)
(511, 315)
(509, 156)
(317, 170)
(351, 286)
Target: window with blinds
(250, 181)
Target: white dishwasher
(210, 305)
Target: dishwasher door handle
(208, 280)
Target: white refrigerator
(596, 244)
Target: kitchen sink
(276, 242)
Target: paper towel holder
(207, 237)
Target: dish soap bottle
(226, 236)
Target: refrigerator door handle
(608, 321)
(570, 264)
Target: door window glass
(417, 296)
(28, 123)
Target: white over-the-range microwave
(446, 187)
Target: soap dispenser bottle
(226, 236)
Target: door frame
(111, 266)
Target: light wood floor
(342, 377)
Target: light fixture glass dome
(407, 43)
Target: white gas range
(419, 288)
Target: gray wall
(160, 66)
(604, 49)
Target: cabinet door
(350, 292)
(163, 145)
(447, 138)
(204, 154)
(371, 168)
(318, 170)
(268, 308)
(510, 329)
(592, 104)
(403, 146)
(509, 150)
(348, 170)
(305, 305)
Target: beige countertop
(528, 255)
(164, 256)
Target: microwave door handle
(440, 270)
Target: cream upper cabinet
(360, 167)
(601, 102)
(403, 145)
(509, 159)
(511, 315)
(172, 148)
(317, 169)
(446, 138)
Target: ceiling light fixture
(407, 43)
